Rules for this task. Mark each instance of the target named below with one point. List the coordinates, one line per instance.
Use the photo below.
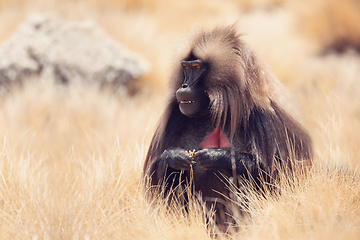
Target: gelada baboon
(226, 117)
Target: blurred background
(277, 29)
(72, 154)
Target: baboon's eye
(196, 66)
(187, 68)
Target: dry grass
(332, 24)
(71, 158)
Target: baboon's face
(191, 96)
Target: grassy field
(71, 158)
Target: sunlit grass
(332, 24)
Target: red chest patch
(216, 139)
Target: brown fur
(245, 98)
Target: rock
(47, 48)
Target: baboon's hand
(212, 158)
(177, 158)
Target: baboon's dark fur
(251, 107)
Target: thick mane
(238, 84)
(237, 80)
(232, 122)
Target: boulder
(47, 48)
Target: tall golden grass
(71, 157)
(332, 25)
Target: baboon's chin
(190, 108)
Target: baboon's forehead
(217, 47)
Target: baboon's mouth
(187, 102)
